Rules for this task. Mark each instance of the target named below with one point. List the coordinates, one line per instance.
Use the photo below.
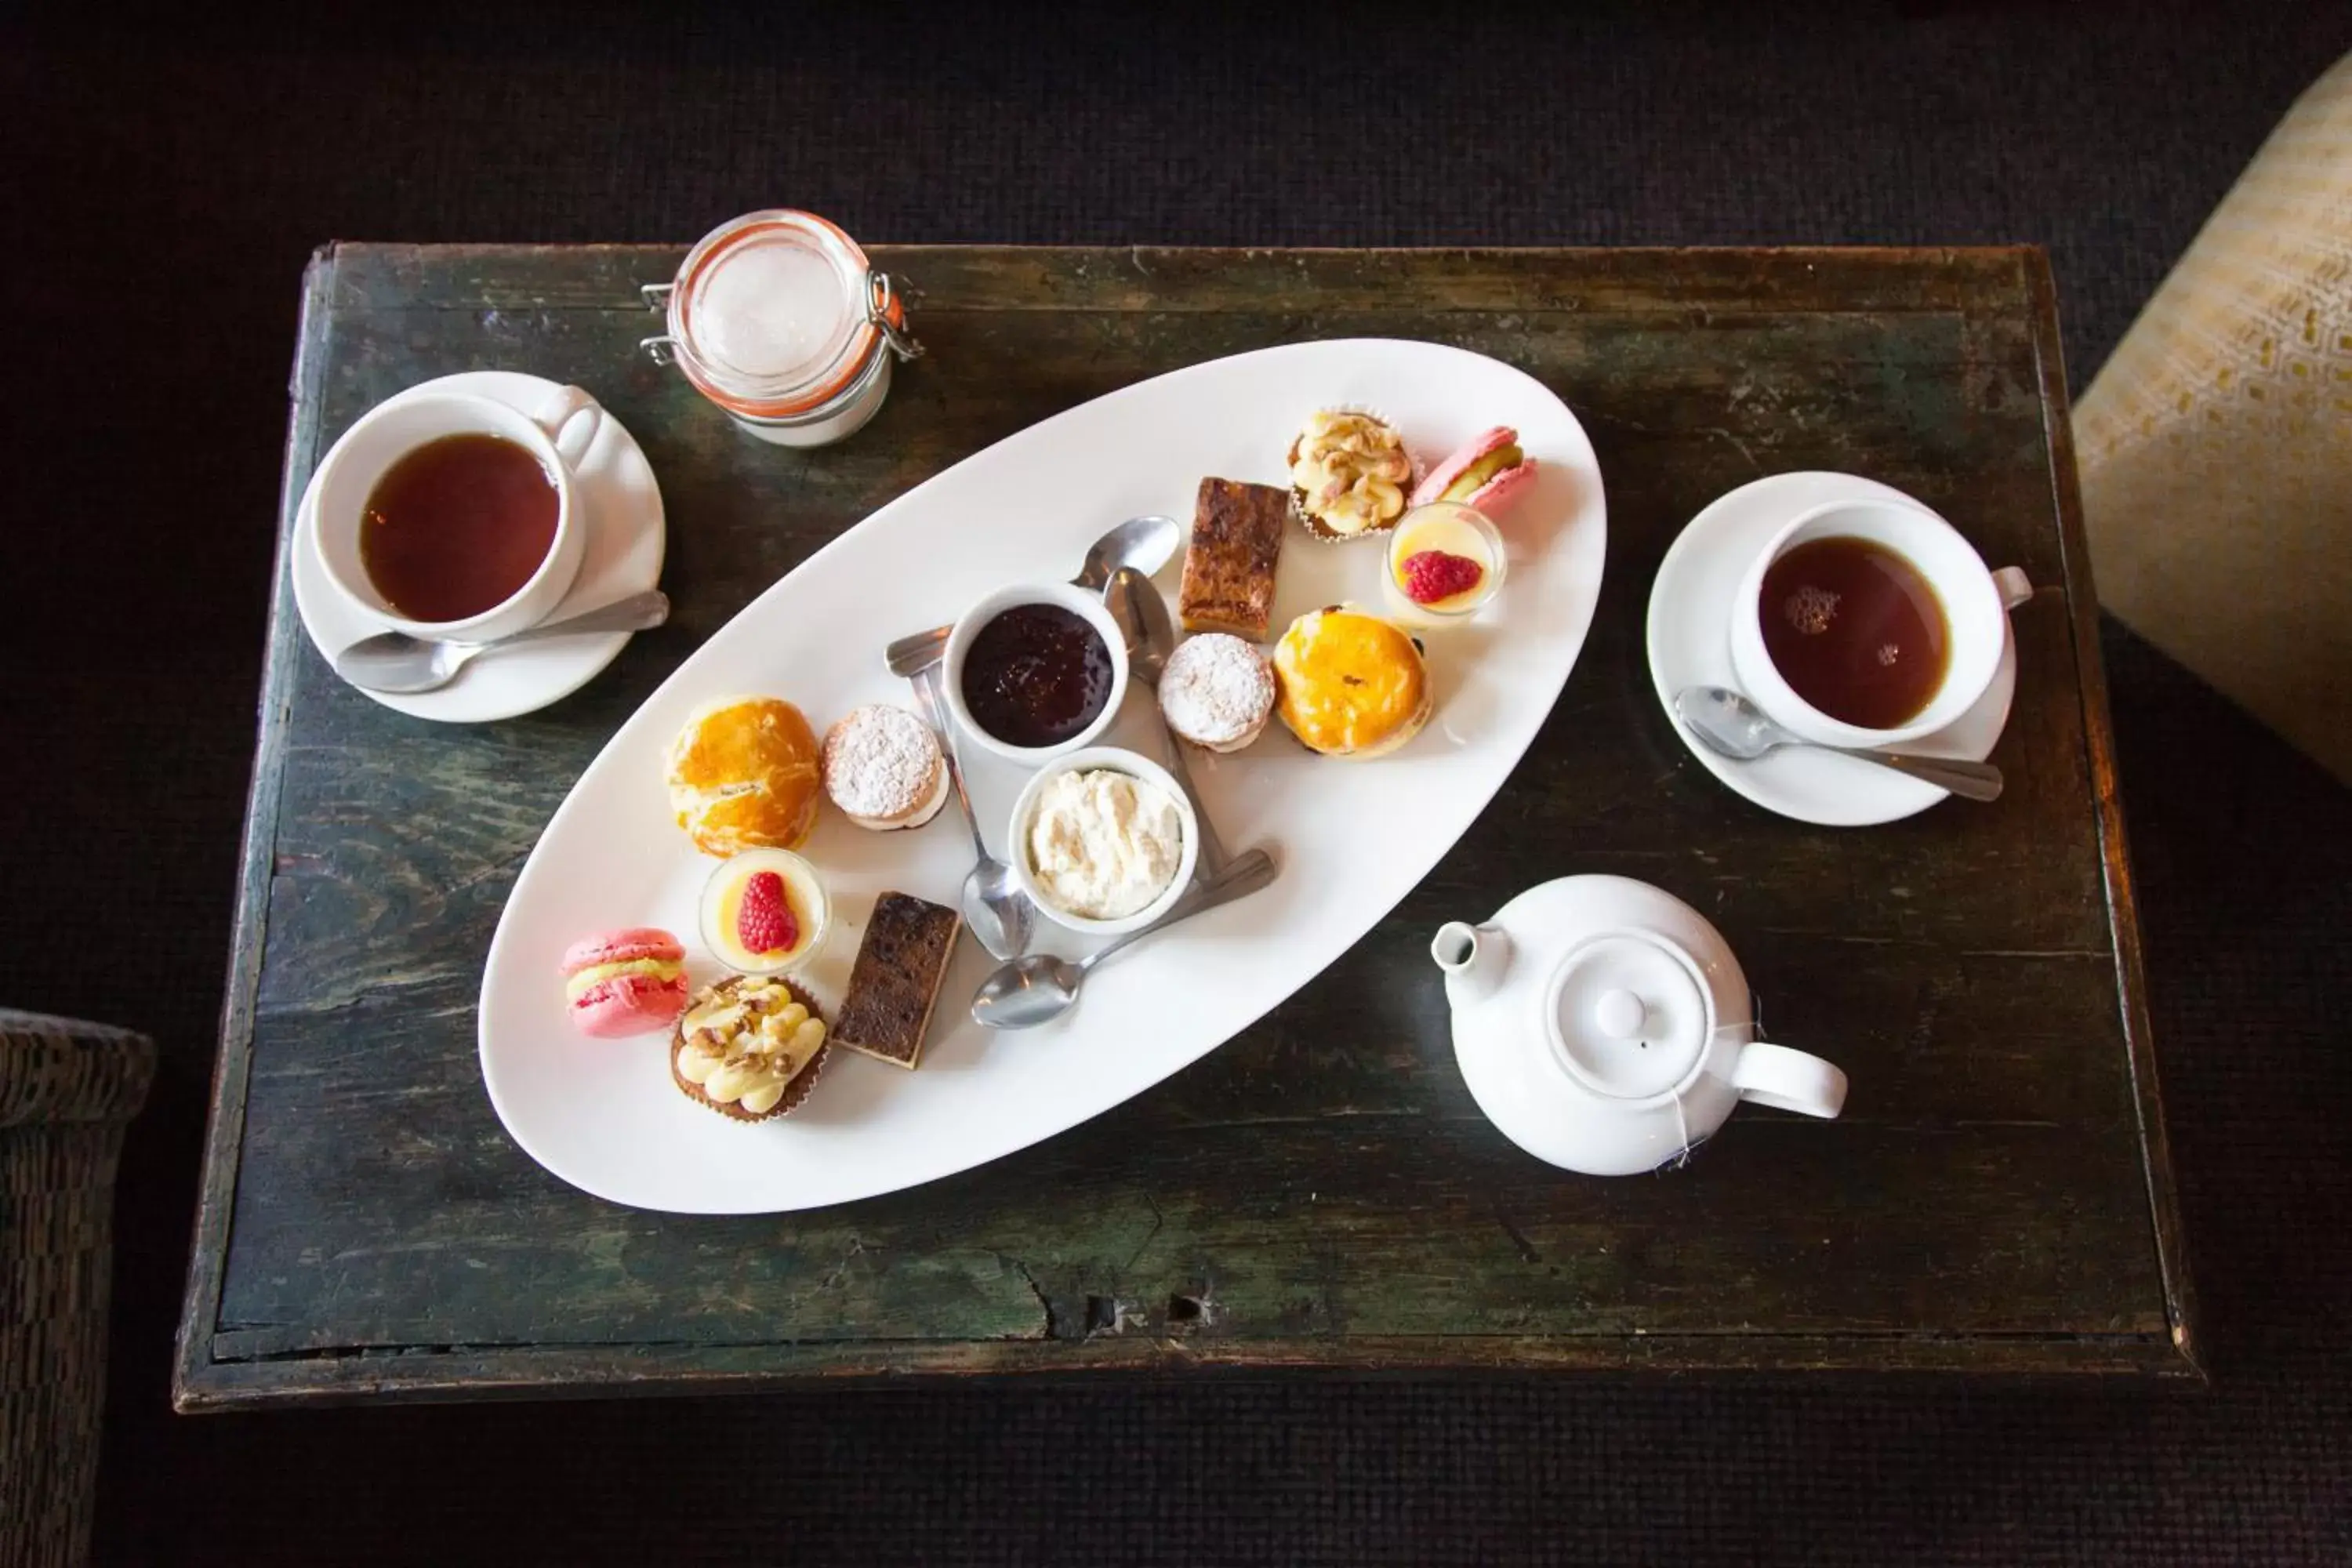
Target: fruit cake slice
(1228, 564)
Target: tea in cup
(1870, 624)
(448, 515)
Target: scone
(1349, 474)
(1350, 685)
(745, 773)
(749, 1048)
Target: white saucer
(1690, 644)
(623, 556)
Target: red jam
(1037, 675)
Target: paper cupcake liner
(1416, 465)
(794, 1093)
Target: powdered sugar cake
(1216, 692)
(883, 768)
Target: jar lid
(777, 313)
(1629, 1015)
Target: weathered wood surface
(1321, 1191)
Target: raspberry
(763, 922)
(1432, 575)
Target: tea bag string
(1682, 1116)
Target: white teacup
(1976, 600)
(558, 434)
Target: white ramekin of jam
(780, 320)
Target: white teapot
(1604, 1027)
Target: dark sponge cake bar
(896, 980)
(1229, 565)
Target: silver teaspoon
(1150, 633)
(1728, 722)
(400, 663)
(1140, 544)
(997, 910)
(1041, 987)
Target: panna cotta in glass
(1445, 562)
(765, 911)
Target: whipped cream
(1103, 843)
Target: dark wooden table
(1321, 1191)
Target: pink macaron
(1505, 478)
(629, 982)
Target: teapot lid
(1596, 1020)
(1628, 1013)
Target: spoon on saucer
(993, 905)
(397, 663)
(1729, 723)
(1041, 987)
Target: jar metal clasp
(661, 347)
(881, 300)
(881, 306)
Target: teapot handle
(1788, 1080)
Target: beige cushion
(2216, 446)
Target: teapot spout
(1473, 959)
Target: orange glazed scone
(1350, 685)
(746, 773)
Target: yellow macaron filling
(1475, 477)
(581, 981)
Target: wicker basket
(66, 1090)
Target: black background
(169, 173)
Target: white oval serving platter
(1353, 838)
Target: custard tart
(1349, 684)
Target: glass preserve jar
(780, 320)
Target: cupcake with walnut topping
(1349, 475)
(749, 1048)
